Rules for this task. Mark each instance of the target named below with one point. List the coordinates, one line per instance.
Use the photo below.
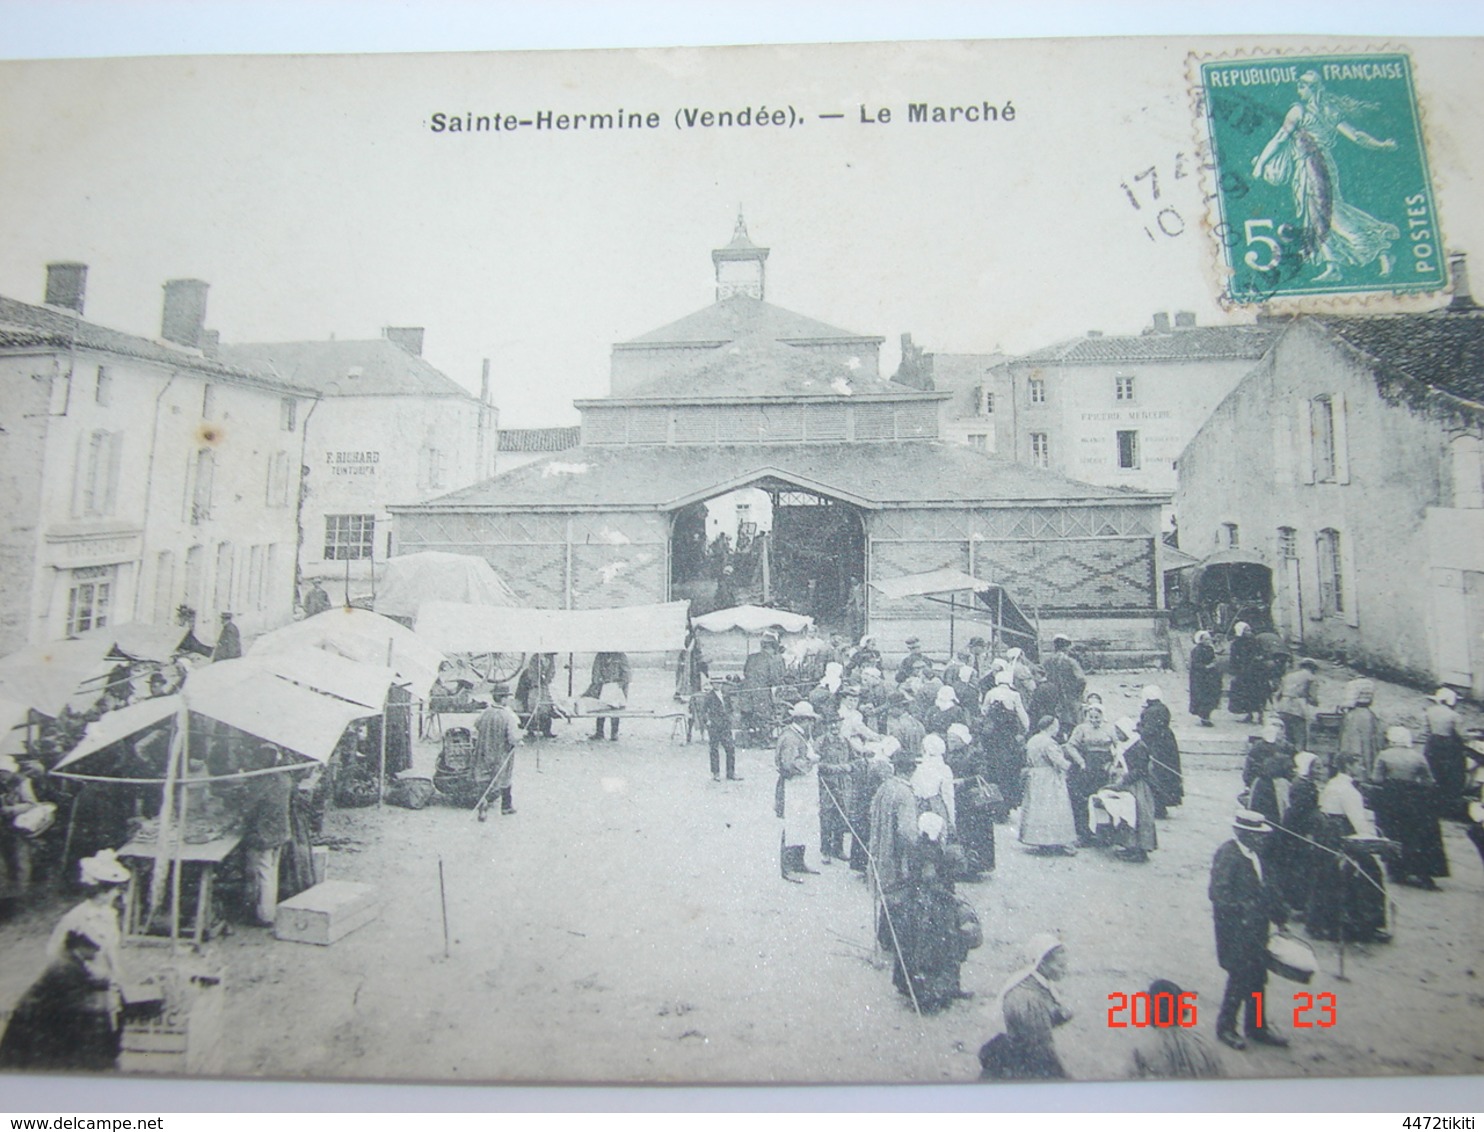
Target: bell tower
(741, 266)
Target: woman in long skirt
(1165, 774)
(1250, 687)
(1046, 812)
(1347, 899)
(1407, 811)
(1205, 679)
(1444, 752)
(1131, 774)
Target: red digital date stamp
(1162, 1011)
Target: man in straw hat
(1243, 904)
(796, 800)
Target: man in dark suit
(1243, 904)
(716, 719)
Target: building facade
(1349, 461)
(1106, 409)
(860, 486)
(386, 428)
(141, 475)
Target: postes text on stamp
(1321, 177)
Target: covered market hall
(751, 455)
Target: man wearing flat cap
(1243, 904)
(796, 799)
(909, 662)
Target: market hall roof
(868, 473)
(29, 326)
(742, 316)
(1443, 350)
(1181, 344)
(362, 368)
(757, 366)
(538, 439)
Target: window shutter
(1305, 441)
(1345, 552)
(1341, 441)
(1314, 577)
(79, 475)
(114, 455)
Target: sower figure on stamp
(1243, 905)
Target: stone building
(859, 483)
(140, 475)
(1349, 461)
(1108, 409)
(386, 428)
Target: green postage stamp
(1321, 176)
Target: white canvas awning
(932, 583)
(46, 676)
(140, 640)
(363, 636)
(333, 674)
(455, 627)
(296, 719)
(752, 619)
(124, 723)
(409, 580)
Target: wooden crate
(327, 912)
(185, 1036)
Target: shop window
(349, 537)
(89, 599)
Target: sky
(314, 197)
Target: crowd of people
(914, 769)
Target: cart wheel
(497, 667)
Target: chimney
(1094, 333)
(410, 338)
(484, 382)
(1184, 320)
(1458, 271)
(211, 342)
(66, 284)
(184, 316)
(1161, 323)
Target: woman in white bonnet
(1407, 811)
(1444, 751)
(1032, 1010)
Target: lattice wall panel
(445, 531)
(1072, 573)
(608, 576)
(536, 572)
(1019, 523)
(895, 559)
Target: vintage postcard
(930, 563)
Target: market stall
(543, 634)
(154, 748)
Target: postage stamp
(1321, 177)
